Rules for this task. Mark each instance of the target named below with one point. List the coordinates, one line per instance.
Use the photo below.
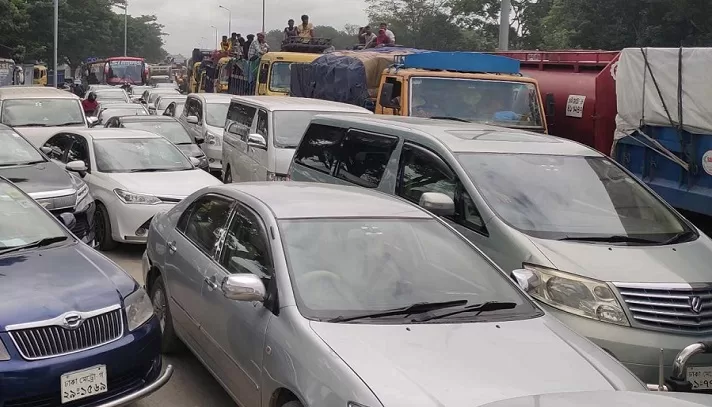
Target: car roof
(29, 92)
(109, 90)
(121, 106)
(297, 103)
(114, 133)
(298, 200)
(150, 118)
(213, 97)
(461, 137)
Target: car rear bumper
(133, 365)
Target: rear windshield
(38, 112)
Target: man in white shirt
(389, 33)
(258, 48)
(368, 37)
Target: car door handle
(171, 247)
(211, 283)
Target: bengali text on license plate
(83, 383)
(700, 377)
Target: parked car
(148, 98)
(204, 116)
(274, 284)
(601, 251)
(132, 175)
(608, 399)
(59, 189)
(106, 112)
(163, 101)
(114, 94)
(174, 109)
(75, 329)
(136, 92)
(261, 133)
(167, 127)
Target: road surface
(191, 385)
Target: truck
(648, 108)
(465, 86)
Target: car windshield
(502, 103)
(564, 197)
(178, 109)
(23, 221)
(342, 267)
(290, 125)
(280, 77)
(217, 113)
(126, 70)
(165, 101)
(172, 130)
(41, 112)
(137, 154)
(155, 95)
(16, 150)
(111, 94)
(109, 113)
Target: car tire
(102, 229)
(293, 403)
(170, 343)
(228, 176)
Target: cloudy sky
(188, 22)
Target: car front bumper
(133, 367)
(214, 154)
(637, 349)
(127, 219)
(84, 228)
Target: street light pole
(263, 15)
(229, 20)
(56, 38)
(126, 27)
(504, 25)
(217, 43)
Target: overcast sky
(186, 21)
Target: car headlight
(577, 295)
(4, 355)
(132, 198)
(138, 308)
(213, 139)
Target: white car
(115, 94)
(132, 174)
(204, 116)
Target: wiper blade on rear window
(478, 308)
(456, 119)
(39, 243)
(410, 309)
(610, 239)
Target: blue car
(75, 329)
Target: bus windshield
(125, 70)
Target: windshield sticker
(417, 81)
(13, 242)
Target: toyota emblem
(72, 321)
(696, 304)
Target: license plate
(83, 383)
(700, 377)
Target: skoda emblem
(696, 304)
(72, 321)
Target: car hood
(438, 364)
(35, 178)
(39, 135)
(609, 399)
(283, 159)
(43, 284)
(190, 150)
(172, 183)
(679, 263)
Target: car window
(216, 113)
(319, 147)
(262, 124)
(79, 151)
(246, 247)
(241, 114)
(206, 219)
(364, 157)
(60, 146)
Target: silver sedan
(303, 294)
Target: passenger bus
(116, 71)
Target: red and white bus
(117, 71)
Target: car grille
(666, 308)
(59, 202)
(49, 341)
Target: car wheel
(102, 229)
(228, 176)
(170, 343)
(294, 403)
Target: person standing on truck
(247, 45)
(389, 33)
(306, 29)
(225, 45)
(368, 37)
(258, 48)
(290, 31)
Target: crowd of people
(250, 48)
(368, 39)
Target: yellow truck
(39, 75)
(465, 86)
(268, 76)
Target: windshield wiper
(22, 163)
(680, 237)
(410, 309)
(155, 169)
(478, 308)
(31, 125)
(68, 124)
(456, 119)
(609, 239)
(39, 243)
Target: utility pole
(263, 16)
(217, 42)
(56, 39)
(229, 20)
(504, 25)
(125, 6)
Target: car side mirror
(46, 150)
(68, 219)
(192, 119)
(194, 161)
(92, 121)
(386, 97)
(142, 101)
(257, 141)
(76, 166)
(526, 279)
(437, 203)
(244, 287)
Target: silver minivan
(601, 250)
(261, 133)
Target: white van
(262, 132)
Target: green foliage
(87, 28)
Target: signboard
(574, 106)
(125, 62)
